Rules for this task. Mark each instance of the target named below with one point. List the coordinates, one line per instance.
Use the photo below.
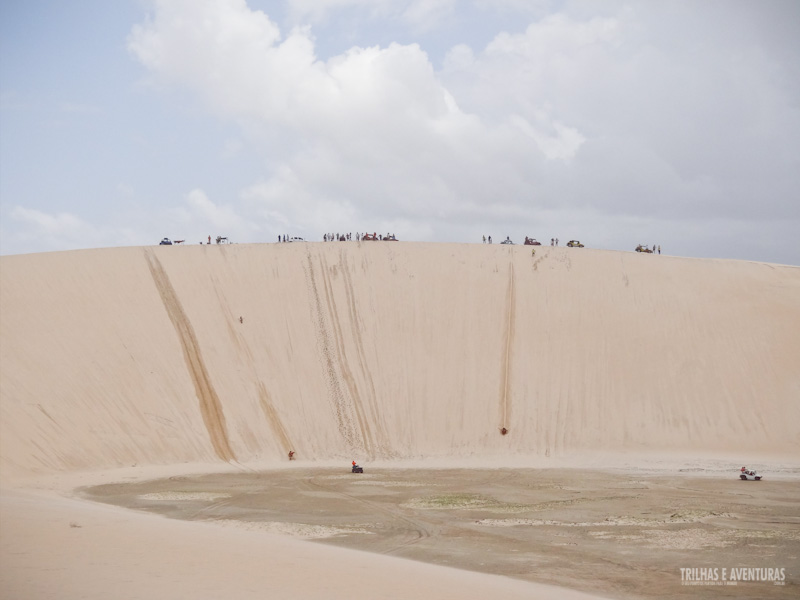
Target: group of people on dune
(346, 237)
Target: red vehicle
(531, 242)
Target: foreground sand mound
(173, 354)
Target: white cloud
(524, 8)
(199, 214)
(561, 142)
(369, 129)
(47, 224)
(427, 14)
(236, 60)
(232, 149)
(36, 230)
(419, 14)
(633, 120)
(598, 119)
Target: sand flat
(630, 534)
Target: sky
(616, 123)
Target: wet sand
(624, 535)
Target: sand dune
(136, 355)
(384, 351)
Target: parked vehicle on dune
(643, 248)
(532, 242)
(507, 241)
(165, 242)
(747, 475)
(574, 244)
(374, 237)
(296, 239)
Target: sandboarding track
(508, 341)
(345, 399)
(240, 342)
(210, 405)
(366, 375)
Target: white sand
(373, 352)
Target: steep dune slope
(138, 355)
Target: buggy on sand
(747, 475)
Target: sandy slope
(110, 358)
(136, 355)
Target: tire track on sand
(355, 403)
(416, 531)
(274, 420)
(210, 406)
(508, 339)
(379, 437)
(246, 356)
(345, 420)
